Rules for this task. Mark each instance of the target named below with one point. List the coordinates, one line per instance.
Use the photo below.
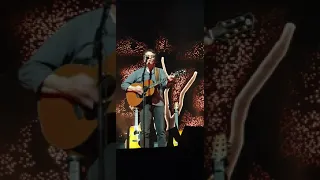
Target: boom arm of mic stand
(97, 54)
(143, 107)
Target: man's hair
(149, 50)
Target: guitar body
(134, 138)
(62, 124)
(134, 99)
(175, 143)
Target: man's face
(151, 57)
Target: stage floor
(159, 163)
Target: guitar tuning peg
(228, 145)
(248, 22)
(224, 24)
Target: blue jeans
(158, 114)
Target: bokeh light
(228, 67)
(198, 97)
(31, 29)
(258, 173)
(300, 122)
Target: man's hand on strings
(171, 78)
(138, 89)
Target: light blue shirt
(136, 77)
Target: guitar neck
(165, 79)
(136, 113)
(157, 83)
(219, 170)
(219, 156)
(218, 166)
(176, 117)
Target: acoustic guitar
(65, 123)
(134, 137)
(134, 131)
(134, 99)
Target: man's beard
(150, 66)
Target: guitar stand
(74, 166)
(174, 132)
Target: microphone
(146, 59)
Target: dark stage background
(24, 153)
(175, 31)
(282, 127)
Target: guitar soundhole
(109, 86)
(145, 90)
(136, 133)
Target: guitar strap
(157, 97)
(157, 74)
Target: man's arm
(166, 84)
(126, 85)
(36, 74)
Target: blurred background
(24, 153)
(282, 127)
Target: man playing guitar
(72, 44)
(155, 103)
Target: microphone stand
(97, 54)
(144, 104)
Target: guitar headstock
(220, 147)
(179, 72)
(227, 29)
(176, 106)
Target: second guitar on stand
(135, 130)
